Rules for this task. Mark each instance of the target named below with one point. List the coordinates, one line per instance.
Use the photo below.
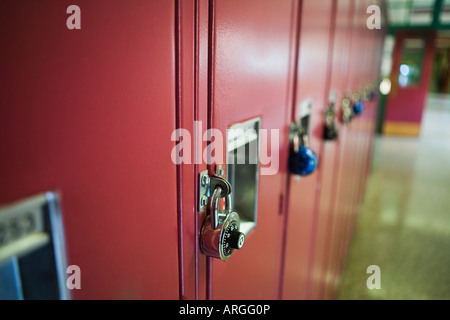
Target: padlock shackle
(214, 206)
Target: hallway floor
(404, 223)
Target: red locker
(327, 219)
(300, 224)
(90, 113)
(253, 44)
(348, 149)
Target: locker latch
(220, 234)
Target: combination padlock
(220, 234)
(330, 131)
(358, 107)
(358, 103)
(347, 111)
(369, 93)
(302, 159)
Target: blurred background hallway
(404, 223)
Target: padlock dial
(347, 112)
(236, 239)
(221, 242)
(230, 237)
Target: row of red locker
(91, 111)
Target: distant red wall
(405, 105)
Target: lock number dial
(230, 238)
(221, 242)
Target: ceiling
(419, 13)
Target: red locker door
(251, 74)
(369, 79)
(357, 137)
(355, 149)
(350, 149)
(327, 218)
(313, 66)
(342, 183)
(90, 112)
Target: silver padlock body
(214, 242)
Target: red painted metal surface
(357, 84)
(327, 217)
(311, 80)
(406, 104)
(342, 165)
(90, 112)
(350, 148)
(253, 47)
(187, 104)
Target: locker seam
(196, 117)
(178, 125)
(210, 116)
(288, 175)
(318, 191)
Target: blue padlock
(358, 107)
(303, 161)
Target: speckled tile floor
(404, 223)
